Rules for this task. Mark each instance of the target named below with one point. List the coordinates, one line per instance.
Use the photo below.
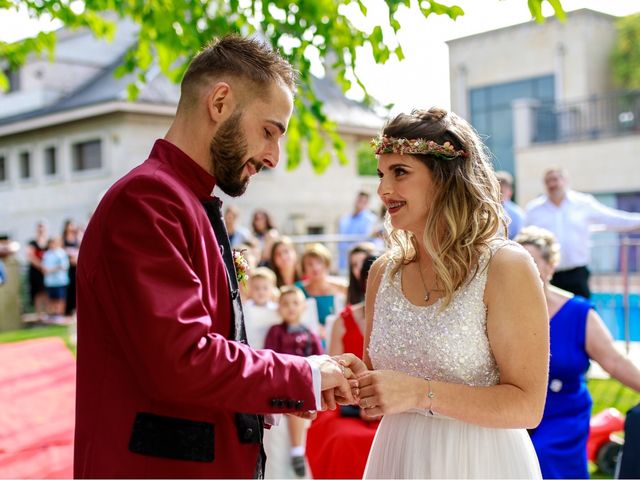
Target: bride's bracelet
(430, 395)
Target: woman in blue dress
(577, 335)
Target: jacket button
(299, 404)
(274, 402)
(248, 433)
(291, 403)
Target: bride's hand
(384, 392)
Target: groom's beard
(227, 150)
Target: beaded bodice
(449, 345)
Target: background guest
(71, 244)
(35, 251)
(260, 309)
(338, 441)
(55, 266)
(237, 233)
(577, 335)
(513, 211)
(569, 215)
(283, 260)
(328, 292)
(265, 233)
(359, 222)
(295, 339)
(357, 255)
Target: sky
(422, 79)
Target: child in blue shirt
(55, 265)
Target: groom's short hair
(248, 60)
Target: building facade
(542, 94)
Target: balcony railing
(596, 117)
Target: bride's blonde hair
(466, 213)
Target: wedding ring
(343, 370)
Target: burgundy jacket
(159, 382)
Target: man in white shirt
(569, 215)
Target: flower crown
(418, 146)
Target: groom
(167, 386)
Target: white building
(67, 132)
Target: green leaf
(132, 91)
(367, 161)
(455, 12)
(363, 8)
(4, 82)
(535, 6)
(625, 56)
(558, 10)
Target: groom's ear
(221, 102)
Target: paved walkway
(37, 404)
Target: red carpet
(37, 401)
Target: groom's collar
(193, 175)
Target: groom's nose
(271, 156)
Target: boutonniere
(242, 267)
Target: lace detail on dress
(451, 345)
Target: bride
(456, 344)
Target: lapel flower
(242, 267)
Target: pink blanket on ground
(37, 402)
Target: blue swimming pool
(610, 308)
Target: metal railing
(615, 285)
(595, 117)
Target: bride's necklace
(427, 292)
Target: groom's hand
(334, 381)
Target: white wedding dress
(450, 346)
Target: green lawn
(38, 331)
(610, 393)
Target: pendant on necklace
(427, 296)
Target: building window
(4, 174)
(87, 156)
(24, 162)
(50, 161)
